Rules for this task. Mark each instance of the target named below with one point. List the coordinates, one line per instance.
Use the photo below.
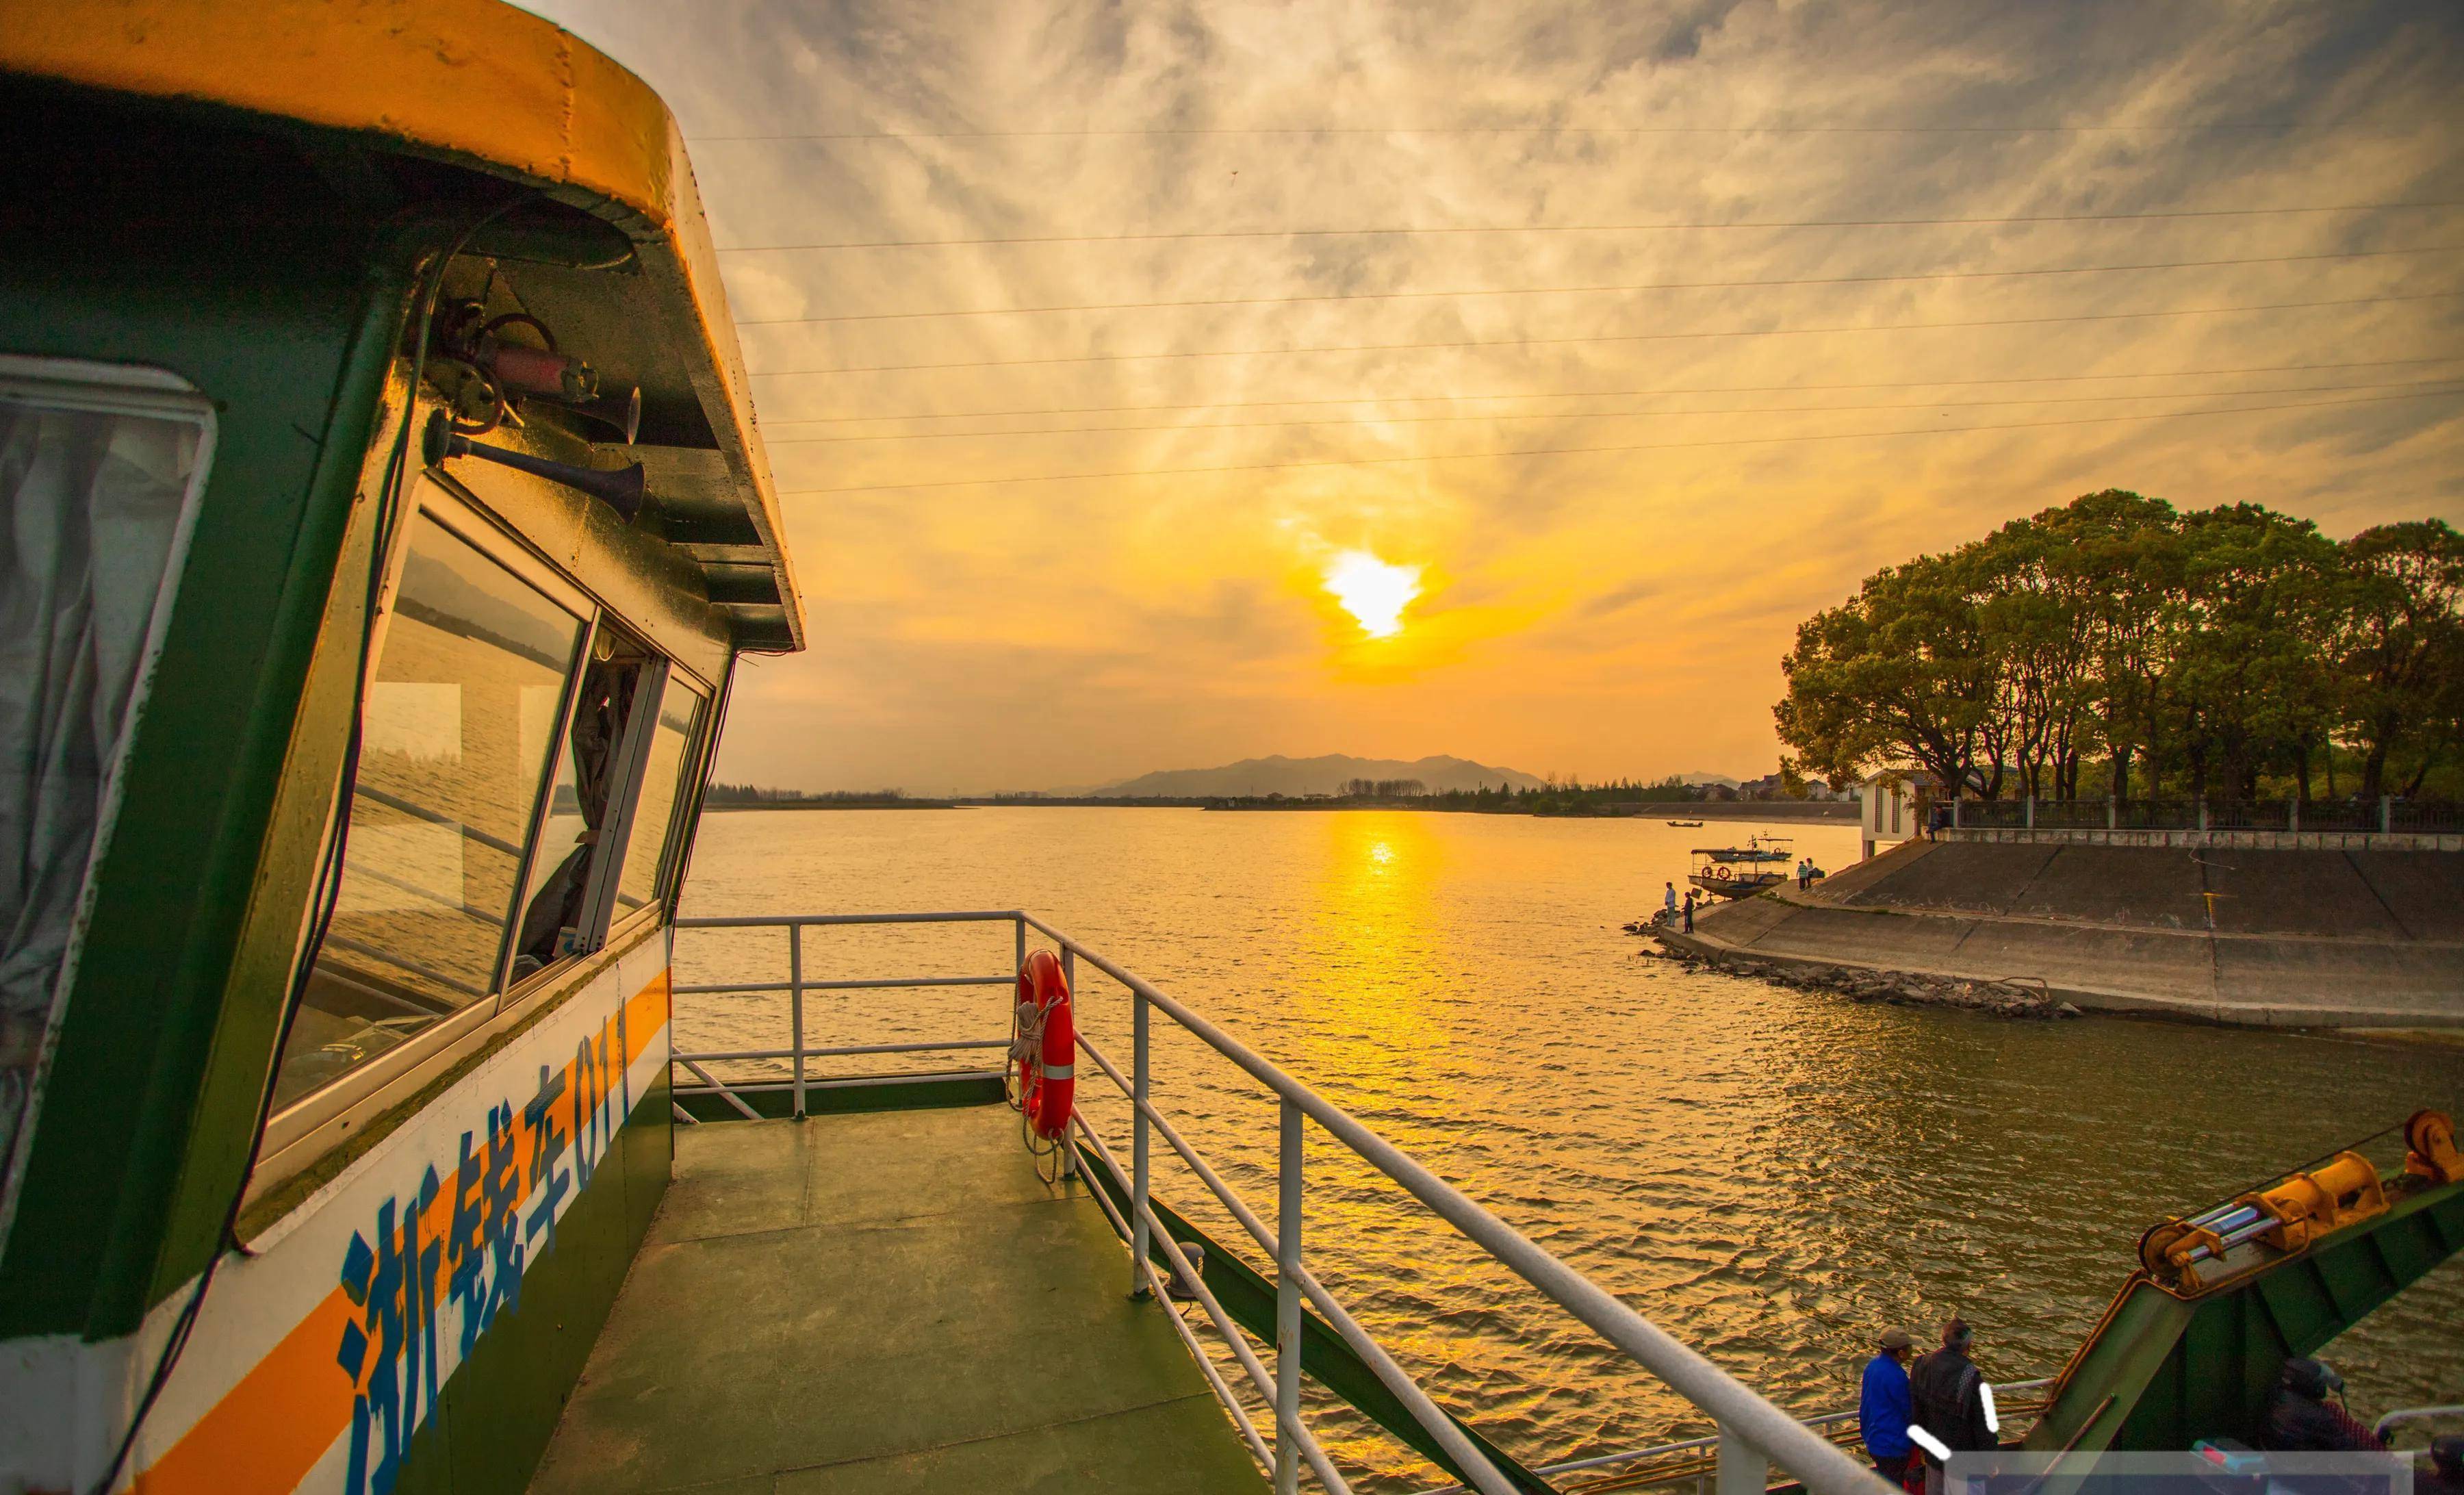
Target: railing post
(2032, 812)
(1069, 985)
(796, 1008)
(2293, 815)
(1287, 1305)
(2112, 812)
(1138, 1145)
(2386, 813)
(2203, 812)
(1019, 962)
(1743, 1469)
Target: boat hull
(1744, 885)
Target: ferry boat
(1742, 871)
(387, 519)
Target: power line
(1548, 452)
(1504, 129)
(1577, 290)
(1570, 228)
(1603, 415)
(1627, 336)
(1609, 394)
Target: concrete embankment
(2275, 938)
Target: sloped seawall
(2293, 938)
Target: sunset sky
(1091, 405)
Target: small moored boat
(1742, 871)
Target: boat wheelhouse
(1742, 871)
(385, 518)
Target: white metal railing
(1754, 1435)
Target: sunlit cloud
(1080, 417)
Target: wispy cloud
(1604, 610)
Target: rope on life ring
(1043, 1071)
(1721, 873)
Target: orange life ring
(1721, 872)
(1045, 1047)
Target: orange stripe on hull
(269, 1429)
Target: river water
(1771, 1176)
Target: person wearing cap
(2301, 1419)
(1947, 1392)
(1883, 1411)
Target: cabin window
(603, 849)
(564, 900)
(99, 472)
(458, 725)
(663, 787)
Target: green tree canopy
(2200, 649)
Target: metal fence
(1754, 1435)
(2382, 815)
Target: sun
(1372, 591)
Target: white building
(1892, 806)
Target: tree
(2119, 554)
(2402, 646)
(1384, 789)
(2206, 649)
(1895, 675)
(2251, 681)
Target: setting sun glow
(1372, 591)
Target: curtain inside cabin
(568, 843)
(90, 505)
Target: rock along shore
(2002, 999)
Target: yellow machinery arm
(2193, 1344)
(2252, 1232)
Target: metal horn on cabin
(617, 413)
(621, 490)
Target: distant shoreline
(1818, 810)
(1680, 809)
(829, 804)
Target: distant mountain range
(1298, 775)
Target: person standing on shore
(1884, 1409)
(1689, 911)
(1668, 902)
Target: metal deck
(884, 1302)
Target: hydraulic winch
(2254, 1230)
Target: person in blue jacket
(1884, 1410)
